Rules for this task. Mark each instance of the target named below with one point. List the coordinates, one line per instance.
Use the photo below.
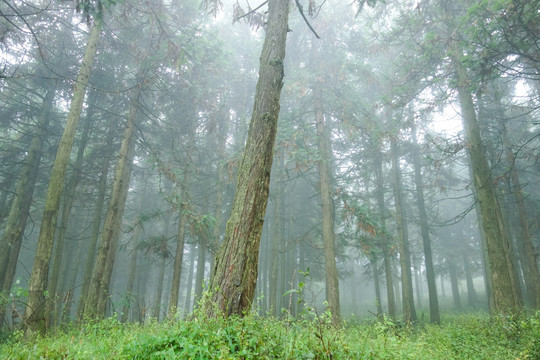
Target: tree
(35, 308)
(235, 270)
(323, 143)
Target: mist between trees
(366, 158)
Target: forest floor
(471, 336)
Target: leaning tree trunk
(96, 222)
(434, 314)
(69, 198)
(235, 270)
(524, 239)
(505, 294)
(409, 312)
(11, 240)
(498, 245)
(35, 317)
(94, 305)
(332, 283)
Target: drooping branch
(301, 10)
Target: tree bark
(11, 240)
(235, 270)
(101, 275)
(96, 223)
(35, 317)
(409, 312)
(434, 314)
(69, 197)
(505, 295)
(332, 283)
(452, 271)
(385, 246)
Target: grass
(460, 337)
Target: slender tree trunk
(159, 290)
(96, 223)
(189, 283)
(235, 271)
(69, 197)
(524, 239)
(101, 275)
(201, 265)
(409, 312)
(180, 238)
(375, 268)
(132, 272)
(434, 314)
(385, 246)
(471, 291)
(452, 271)
(35, 317)
(277, 235)
(332, 283)
(11, 240)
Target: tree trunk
(96, 223)
(505, 295)
(11, 240)
(471, 291)
(189, 282)
(235, 271)
(375, 268)
(69, 197)
(101, 275)
(409, 312)
(452, 271)
(524, 239)
(35, 317)
(201, 265)
(180, 238)
(332, 283)
(277, 236)
(128, 294)
(384, 241)
(434, 314)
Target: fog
(373, 113)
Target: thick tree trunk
(95, 303)
(332, 282)
(409, 312)
(35, 317)
(505, 295)
(235, 271)
(434, 314)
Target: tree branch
(301, 9)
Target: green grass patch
(253, 337)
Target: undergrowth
(253, 337)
